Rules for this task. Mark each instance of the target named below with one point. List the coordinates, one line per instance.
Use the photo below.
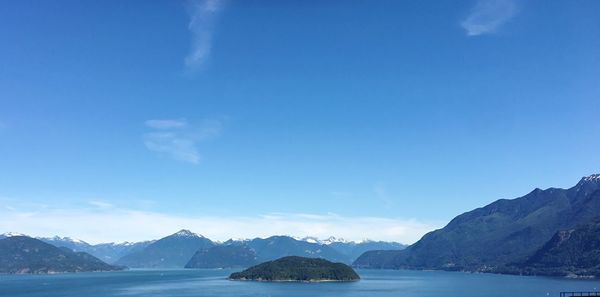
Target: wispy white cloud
(166, 124)
(178, 139)
(100, 204)
(201, 26)
(118, 224)
(488, 15)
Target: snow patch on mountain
(187, 233)
(65, 239)
(11, 234)
(593, 177)
(329, 240)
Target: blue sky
(358, 119)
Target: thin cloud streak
(100, 204)
(179, 140)
(488, 16)
(117, 225)
(202, 20)
(166, 124)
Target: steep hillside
(490, 238)
(569, 252)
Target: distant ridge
(249, 252)
(107, 252)
(224, 256)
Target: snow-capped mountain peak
(333, 239)
(68, 239)
(11, 234)
(238, 239)
(593, 177)
(327, 241)
(186, 233)
(311, 239)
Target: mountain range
(242, 253)
(245, 253)
(539, 233)
(187, 249)
(22, 254)
(107, 252)
(546, 232)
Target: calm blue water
(213, 283)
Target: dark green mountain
(22, 254)
(276, 247)
(489, 239)
(224, 256)
(569, 252)
(173, 251)
(246, 253)
(297, 269)
(354, 249)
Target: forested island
(298, 269)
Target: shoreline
(570, 276)
(292, 280)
